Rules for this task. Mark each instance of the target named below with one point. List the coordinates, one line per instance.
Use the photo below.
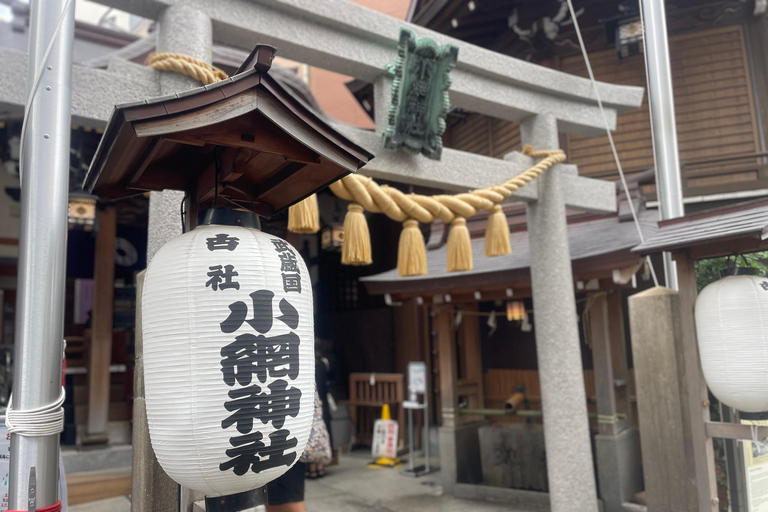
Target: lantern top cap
(246, 140)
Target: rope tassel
(459, 246)
(303, 217)
(497, 233)
(357, 239)
(411, 252)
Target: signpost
(756, 469)
(417, 385)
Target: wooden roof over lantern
(271, 150)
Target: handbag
(318, 450)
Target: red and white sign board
(5, 463)
(384, 439)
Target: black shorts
(289, 488)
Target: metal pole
(427, 388)
(411, 449)
(662, 108)
(42, 249)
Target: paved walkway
(353, 487)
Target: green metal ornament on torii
(420, 103)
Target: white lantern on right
(732, 329)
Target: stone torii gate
(349, 39)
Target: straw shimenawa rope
(451, 209)
(186, 65)
(410, 209)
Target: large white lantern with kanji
(732, 329)
(229, 368)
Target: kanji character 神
(250, 403)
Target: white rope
(42, 421)
(610, 136)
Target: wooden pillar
(408, 346)
(617, 444)
(101, 328)
(610, 363)
(470, 358)
(446, 346)
(618, 344)
(699, 450)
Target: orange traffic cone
(384, 446)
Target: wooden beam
(733, 431)
(701, 462)
(101, 330)
(232, 163)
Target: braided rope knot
(186, 65)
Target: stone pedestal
(460, 456)
(513, 456)
(620, 474)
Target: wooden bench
(366, 400)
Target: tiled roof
(720, 225)
(587, 239)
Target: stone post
(183, 29)
(654, 319)
(563, 398)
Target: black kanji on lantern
(281, 245)
(292, 283)
(222, 241)
(288, 263)
(250, 355)
(221, 278)
(249, 452)
(262, 313)
(265, 357)
(764, 285)
(250, 403)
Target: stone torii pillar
(570, 467)
(182, 29)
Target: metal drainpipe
(42, 250)
(662, 108)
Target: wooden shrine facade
(719, 76)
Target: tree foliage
(708, 271)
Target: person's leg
(286, 493)
(287, 507)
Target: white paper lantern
(732, 329)
(229, 369)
